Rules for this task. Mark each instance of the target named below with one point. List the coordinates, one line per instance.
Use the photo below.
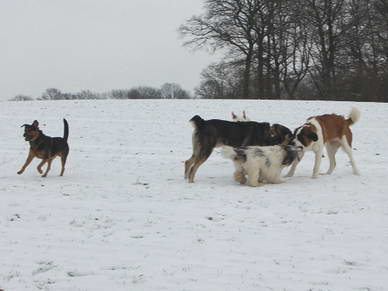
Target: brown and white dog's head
(242, 117)
(305, 135)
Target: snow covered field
(123, 217)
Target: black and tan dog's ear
(287, 139)
(313, 136)
(35, 123)
(272, 131)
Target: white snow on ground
(123, 217)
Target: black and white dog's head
(291, 154)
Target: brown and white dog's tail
(354, 116)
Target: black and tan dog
(212, 133)
(45, 147)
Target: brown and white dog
(329, 130)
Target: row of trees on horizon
(293, 49)
(167, 91)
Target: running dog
(331, 131)
(212, 133)
(45, 147)
(261, 163)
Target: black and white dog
(212, 133)
(261, 163)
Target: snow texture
(123, 217)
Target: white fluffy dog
(261, 163)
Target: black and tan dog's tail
(197, 122)
(66, 130)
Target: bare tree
(226, 24)
(173, 91)
(52, 94)
(220, 81)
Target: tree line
(293, 49)
(166, 91)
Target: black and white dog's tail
(236, 154)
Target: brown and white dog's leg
(348, 150)
(332, 149)
(291, 172)
(29, 159)
(317, 163)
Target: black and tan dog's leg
(29, 159)
(190, 162)
(49, 160)
(63, 162)
(188, 165)
(39, 167)
(197, 163)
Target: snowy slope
(123, 218)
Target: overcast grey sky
(95, 44)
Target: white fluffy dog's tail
(229, 152)
(354, 116)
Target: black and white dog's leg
(253, 177)
(276, 178)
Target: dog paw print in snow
(44, 266)
(14, 217)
